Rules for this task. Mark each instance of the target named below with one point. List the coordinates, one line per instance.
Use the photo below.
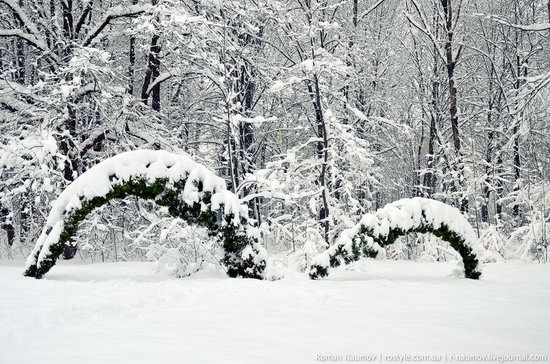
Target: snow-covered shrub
(149, 233)
(182, 249)
(435, 249)
(29, 180)
(399, 250)
(187, 189)
(417, 215)
(494, 244)
(531, 242)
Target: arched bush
(406, 216)
(188, 189)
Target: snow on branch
(362, 117)
(424, 28)
(371, 9)
(537, 27)
(161, 78)
(115, 13)
(35, 37)
(533, 85)
(25, 36)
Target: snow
(358, 113)
(256, 121)
(150, 164)
(126, 313)
(279, 85)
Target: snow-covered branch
(114, 13)
(424, 28)
(161, 78)
(35, 36)
(25, 36)
(537, 27)
(371, 9)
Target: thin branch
(537, 27)
(115, 13)
(371, 9)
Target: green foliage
(219, 225)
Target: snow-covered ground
(127, 313)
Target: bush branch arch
(188, 189)
(406, 216)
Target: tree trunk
(67, 14)
(453, 109)
(151, 74)
(489, 168)
(132, 65)
(500, 187)
(19, 53)
(132, 61)
(6, 224)
(322, 154)
(246, 135)
(429, 177)
(155, 73)
(521, 71)
(488, 179)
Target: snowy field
(127, 313)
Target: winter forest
(313, 113)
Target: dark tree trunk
(489, 168)
(246, 136)
(500, 187)
(453, 109)
(517, 168)
(68, 23)
(132, 65)
(155, 73)
(488, 179)
(429, 177)
(322, 154)
(521, 71)
(132, 61)
(151, 74)
(6, 224)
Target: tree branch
(38, 42)
(424, 29)
(537, 27)
(114, 13)
(83, 16)
(371, 9)
(30, 38)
